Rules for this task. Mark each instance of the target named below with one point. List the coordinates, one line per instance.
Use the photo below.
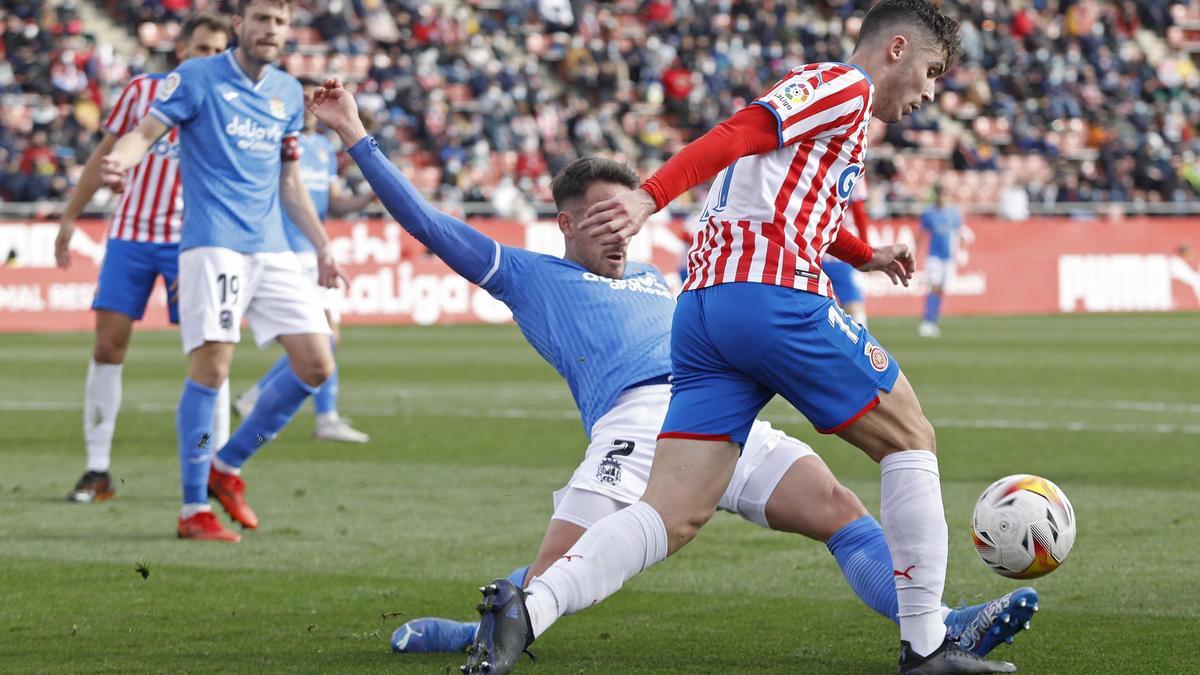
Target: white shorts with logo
(939, 271)
(329, 298)
(616, 467)
(218, 287)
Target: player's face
(203, 42)
(263, 30)
(584, 248)
(908, 83)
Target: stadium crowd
(1051, 101)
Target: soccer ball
(1023, 526)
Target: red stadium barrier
(1037, 267)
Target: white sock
(222, 467)
(330, 417)
(220, 427)
(190, 510)
(617, 547)
(101, 402)
(914, 524)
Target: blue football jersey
(231, 135)
(318, 167)
(602, 335)
(941, 224)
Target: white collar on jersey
(245, 77)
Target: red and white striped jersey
(770, 217)
(151, 208)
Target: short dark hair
(243, 4)
(213, 22)
(919, 13)
(573, 182)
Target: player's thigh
(711, 398)
(283, 303)
(686, 483)
(126, 278)
(896, 424)
(826, 365)
(809, 501)
(215, 286)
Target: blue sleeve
(470, 253)
(179, 96)
(925, 221)
(296, 123)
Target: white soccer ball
(1023, 526)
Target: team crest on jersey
(168, 87)
(879, 358)
(278, 110)
(609, 471)
(793, 96)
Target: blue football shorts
(736, 345)
(844, 278)
(127, 277)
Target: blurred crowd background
(1053, 103)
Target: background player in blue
(943, 224)
(133, 260)
(319, 167)
(238, 119)
(604, 324)
(845, 279)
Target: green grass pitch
(471, 433)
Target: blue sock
(325, 400)
(862, 552)
(933, 307)
(277, 403)
(518, 576)
(193, 427)
(281, 365)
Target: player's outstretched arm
(894, 260)
(751, 131)
(85, 189)
(128, 151)
(467, 251)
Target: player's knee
(846, 507)
(925, 438)
(109, 349)
(683, 526)
(314, 370)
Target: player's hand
(329, 274)
(894, 260)
(111, 174)
(62, 244)
(335, 106)
(614, 221)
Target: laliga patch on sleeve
(168, 87)
(792, 96)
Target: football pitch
(471, 432)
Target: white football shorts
(616, 466)
(330, 298)
(218, 287)
(939, 271)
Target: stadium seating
(1080, 85)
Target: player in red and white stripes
(755, 320)
(143, 244)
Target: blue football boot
(504, 630)
(431, 634)
(981, 628)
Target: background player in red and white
(143, 244)
(756, 319)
